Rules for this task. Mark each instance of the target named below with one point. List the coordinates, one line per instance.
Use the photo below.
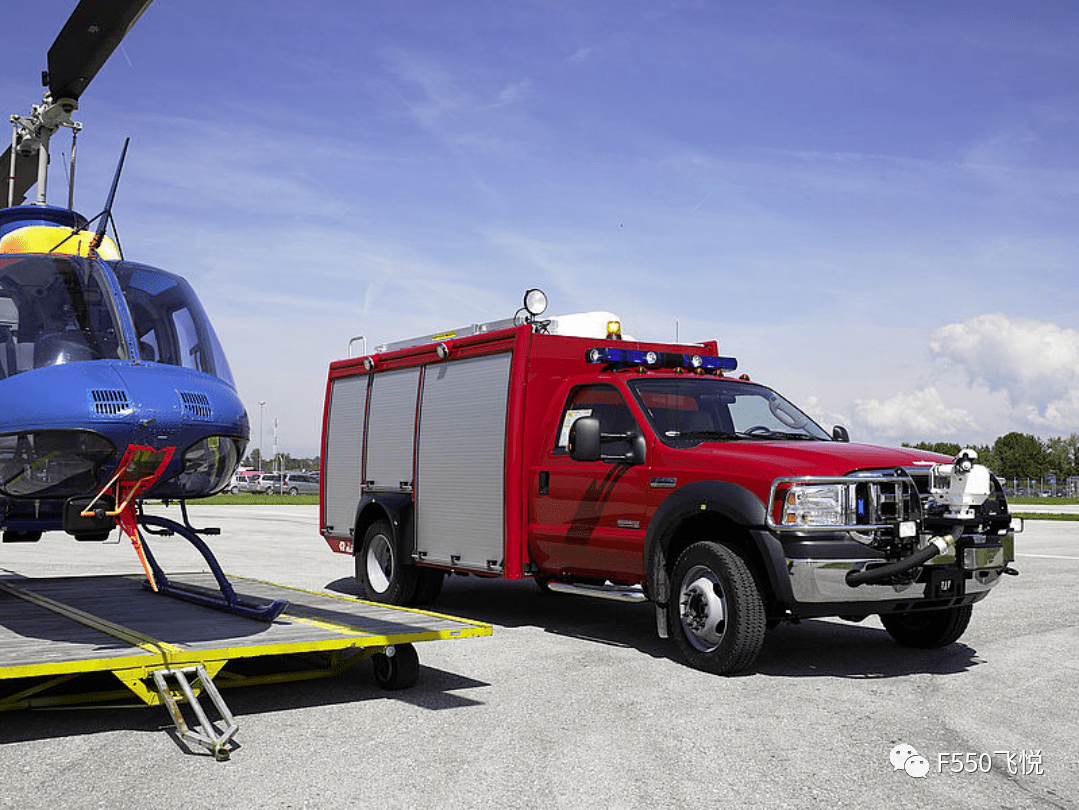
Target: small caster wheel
(397, 668)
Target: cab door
(588, 519)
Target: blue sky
(872, 205)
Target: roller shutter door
(460, 487)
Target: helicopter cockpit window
(169, 321)
(54, 309)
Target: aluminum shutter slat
(391, 429)
(344, 449)
(461, 460)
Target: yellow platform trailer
(58, 635)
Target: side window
(602, 402)
(9, 327)
(188, 338)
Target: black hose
(871, 576)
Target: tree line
(1021, 460)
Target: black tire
(928, 629)
(716, 614)
(398, 671)
(293, 491)
(379, 571)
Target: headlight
(817, 505)
(858, 503)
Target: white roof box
(584, 324)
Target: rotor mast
(32, 134)
(87, 40)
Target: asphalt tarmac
(575, 703)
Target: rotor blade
(25, 175)
(86, 42)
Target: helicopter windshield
(54, 309)
(169, 321)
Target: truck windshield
(690, 410)
(54, 309)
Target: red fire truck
(643, 471)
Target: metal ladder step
(207, 734)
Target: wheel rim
(379, 563)
(703, 608)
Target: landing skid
(137, 472)
(227, 600)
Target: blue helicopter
(113, 384)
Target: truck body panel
(466, 446)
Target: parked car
(270, 483)
(301, 484)
(243, 480)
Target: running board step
(206, 735)
(617, 593)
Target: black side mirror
(638, 450)
(839, 434)
(584, 439)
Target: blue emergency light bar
(653, 359)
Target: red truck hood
(776, 459)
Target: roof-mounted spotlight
(535, 302)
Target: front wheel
(379, 573)
(716, 614)
(928, 629)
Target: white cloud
(989, 375)
(910, 417)
(1035, 363)
(514, 92)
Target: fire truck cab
(634, 470)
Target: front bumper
(969, 571)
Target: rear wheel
(716, 615)
(928, 629)
(379, 573)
